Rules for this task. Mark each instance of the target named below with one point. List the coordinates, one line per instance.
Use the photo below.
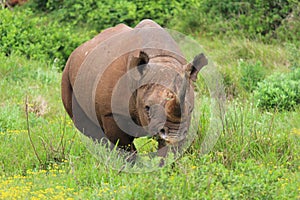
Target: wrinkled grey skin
(158, 85)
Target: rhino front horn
(176, 106)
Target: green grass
(255, 157)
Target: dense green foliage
(103, 14)
(36, 37)
(279, 91)
(271, 19)
(252, 19)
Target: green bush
(106, 13)
(290, 27)
(279, 91)
(251, 74)
(36, 37)
(270, 19)
(267, 20)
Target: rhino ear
(198, 63)
(136, 67)
(138, 60)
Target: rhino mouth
(172, 140)
(171, 132)
(172, 137)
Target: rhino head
(164, 98)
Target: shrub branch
(28, 131)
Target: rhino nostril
(147, 108)
(163, 131)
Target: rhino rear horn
(180, 98)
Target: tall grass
(256, 156)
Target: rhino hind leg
(117, 136)
(67, 91)
(164, 150)
(84, 124)
(109, 134)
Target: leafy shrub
(46, 5)
(162, 11)
(35, 37)
(270, 19)
(252, 19)
(290, 28)
(251, 74)
(106, 13)
(279, 91)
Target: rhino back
(80, 53)
(76, 59)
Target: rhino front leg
(117, 136)
(162, 151)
